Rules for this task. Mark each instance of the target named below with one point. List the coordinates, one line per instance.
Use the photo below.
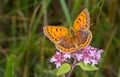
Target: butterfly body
(73, 38)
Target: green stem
(72, 67)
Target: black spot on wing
(60, 29)
(55, 34)
(56, 39)
(79, 19)
(56, 30)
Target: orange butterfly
(73, 38)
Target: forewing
(82, 22)
(55, 33)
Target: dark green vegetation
(24, 50)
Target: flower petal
(53, 59)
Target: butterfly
(74, 38)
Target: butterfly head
(72, 32)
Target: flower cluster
(88, 55)
(58, 58)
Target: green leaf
(54, 71)
(10, 66)
(64, 68)
(87, 67)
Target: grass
(21, 35)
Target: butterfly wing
(82, 22)
(83, 38)
(81, 26)
(80, 40)
(55, 33)
(59, 35)
(68, 44)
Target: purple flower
(86, 60)
(79, 57)
(98, 54)
(58, 64)
(88, 55)
(58, 58)
(67, 55)
(53, 59)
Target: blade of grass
(13, 30)
(66, 12)
(39, 17)
(76, 6)
(43, 40)
(76, 9)
(97, 20)
(97, 6)
(24, 3)
(10, 66)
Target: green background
(25, 51)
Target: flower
(88, 55)
(67, 55)
(58, 58)
(79, 57)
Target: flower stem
(72, 67)
(69, 74)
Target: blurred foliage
(21, 34)
(9, 72)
